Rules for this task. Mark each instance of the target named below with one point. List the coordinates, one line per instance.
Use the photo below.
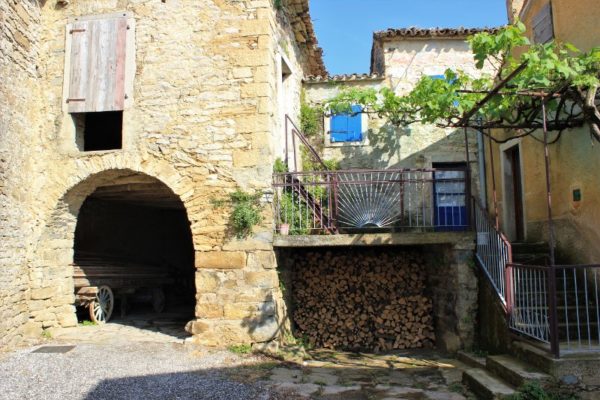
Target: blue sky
(345, 27)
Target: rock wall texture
(201, 119)
(19, 50)
(404, 62)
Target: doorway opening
(134, 256)
(513, 193)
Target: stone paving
(163, 328)
(317, 374)
(403, 375)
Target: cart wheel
(158, 300)
(101, 309)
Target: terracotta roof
(343, 78)
(298, 13)
(414, 32)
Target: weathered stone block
(263, 279)
(207, 281)
(221, 259)
(209, 310)
(196, 327)
(239, 311)
(261, 260)
(43, 293)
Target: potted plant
(284, 229)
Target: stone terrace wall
(19, 49)
(203, 113)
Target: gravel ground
(125, 371)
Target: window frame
(364, 123)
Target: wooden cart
(100, 279)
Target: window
(96, 82)
(543, 29)
(99, 130)
(347, 127)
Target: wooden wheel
(101, 309)
(158, 300)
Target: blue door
(450, 211)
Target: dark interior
(142, 224)
(100, 130)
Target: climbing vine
(527, 78)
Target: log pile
(362, 300)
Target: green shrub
(534, 391)
(280, 167)
(240, 348)
(246, 212)
(310, 119)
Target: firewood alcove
(370, 299)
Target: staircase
(299, 190)
(556, 329)
(493, 377)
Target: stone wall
(201, 119)
(19, 50)
(404, 62)
(453, 284)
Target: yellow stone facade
(574, 159)
(202, 120)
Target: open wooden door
(513, 194)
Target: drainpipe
(481, 161)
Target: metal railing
(578, 309)
(493, 253)
(528, 311)
(576, 318)
(372, 200)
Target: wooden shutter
(339, 128)
(347, 127)
(97, 65)
(355, 124)
(543, 29)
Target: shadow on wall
(269, 323)
(386, 149)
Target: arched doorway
(134, 255)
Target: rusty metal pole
(494, 195)
(468, 179)
(554, 343)
(286, 142)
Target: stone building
(122, 123)
(126, 125)
(400, 57)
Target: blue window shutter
(440, 77)
(339, 127)
(355, 124)
(347, 127)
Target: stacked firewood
(362, 300)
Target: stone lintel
(459, 240)
(221, 259)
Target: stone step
(532, 355)
(514, 371)
(472, 360)
(485, 386)
(528, 248)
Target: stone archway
(51, 275)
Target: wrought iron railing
(528, 311)
(558, 306)
(579, 307)
(494, 251)
(575, 313)
(372, 200)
